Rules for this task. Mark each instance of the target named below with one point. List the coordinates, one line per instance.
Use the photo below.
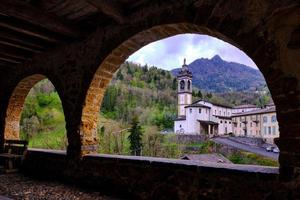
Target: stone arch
(104, 73)
(16, 103)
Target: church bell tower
(184, 89)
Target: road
(253, 149)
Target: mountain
(217, 75)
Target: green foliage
(135, 137)
(42, 119)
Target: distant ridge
(218, 75)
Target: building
(260, 123)
(203, 117)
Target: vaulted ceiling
(28, 27)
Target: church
(212, 119)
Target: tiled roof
(215, 158)
(246, 106)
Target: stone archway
(16, 103)
(112, 62)
(274, 48)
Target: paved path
(253, 149)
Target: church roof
(208, 122)
(195, 105)
(180, 118)
(215, 104)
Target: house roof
(212, 158)
(254, 112)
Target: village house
(203, 117)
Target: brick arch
(16, 104)
(104, 73)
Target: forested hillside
(145, 91)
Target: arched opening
(182, 85)
(35, 114)
(116, 58)
(104, 73)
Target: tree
(174, 84)
(120, 75)
(135, 137)
(199, 94)
(209, 95)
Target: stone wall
(248, 141)
(188, 139)
(159, 178)
(268, 31)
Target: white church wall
(180, 126)
(191, 116)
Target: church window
(180, 125)
(221, 121)
(191, 110)
(182, 85)
(199, 110)
(189, 85)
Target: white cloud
(170, 52)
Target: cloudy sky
(170, 52)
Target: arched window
(189, 85)
(182, 85)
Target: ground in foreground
(18, 186)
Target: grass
(251, 159)
(54, 139)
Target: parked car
(276, 150)
(269, 148)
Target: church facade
(211, 119)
